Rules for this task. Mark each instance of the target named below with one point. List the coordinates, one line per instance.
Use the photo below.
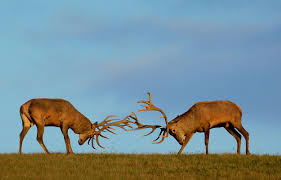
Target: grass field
(139, 166)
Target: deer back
(204, 115)
(55, 112)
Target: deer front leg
(64, 130)
(187, 138)
(207, 133)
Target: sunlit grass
(139, 166)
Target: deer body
(55, 112)
(204, 116)
(201, 117)
(61, 113)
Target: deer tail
(25, 115)
(240, 110)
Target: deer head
(177, 132)
(88, 134)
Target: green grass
(139, 166)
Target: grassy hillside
(124, 166)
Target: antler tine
(111, 128)
(105, 121)
(93, 143)
(134, 116)
(110, 116)
(97, 139)
(146, 102)
(112, 120)
(140, 125)
(110, 131)
(161, 132)
(149, 96)
(103, 136)
(89, 140)
(153, 129)
(163, 137)
(143, 101)
(159, 141)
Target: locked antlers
(150, 107)
(106, 125)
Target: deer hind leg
(246, 136)
(64, 130)
(40, 132)
(236, 135)
(207, 133)
(187, 138)
(26, 125)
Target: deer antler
(150, 107)
(106, 125)
(141, 126)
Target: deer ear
(93, 126)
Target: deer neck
(185, 122)
(81, 125)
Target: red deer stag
(201, 117)
(61, 113)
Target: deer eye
(173, 130)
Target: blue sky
(104, 56)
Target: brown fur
(53, 112)
(204, 116)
